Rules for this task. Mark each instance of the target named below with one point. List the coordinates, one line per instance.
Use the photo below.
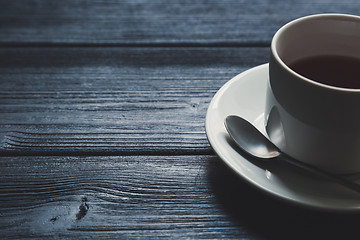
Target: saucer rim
(251, 180)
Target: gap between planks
(136, 44)
(182, 152)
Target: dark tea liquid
(338, 71)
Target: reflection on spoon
(253, 142)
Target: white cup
(314, 122)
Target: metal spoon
(253, 142)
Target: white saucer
(244, 95)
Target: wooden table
(102, 110)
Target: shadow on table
(268, 217)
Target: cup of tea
(312, 108)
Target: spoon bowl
(249, 139)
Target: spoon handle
(322, 173)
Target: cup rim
(296, 21)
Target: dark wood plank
(130, 197)
(147, 197)
(112, 100)
(154, 22)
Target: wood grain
(128, 197)
(61, 101)
(157, 22)
(147, 197)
